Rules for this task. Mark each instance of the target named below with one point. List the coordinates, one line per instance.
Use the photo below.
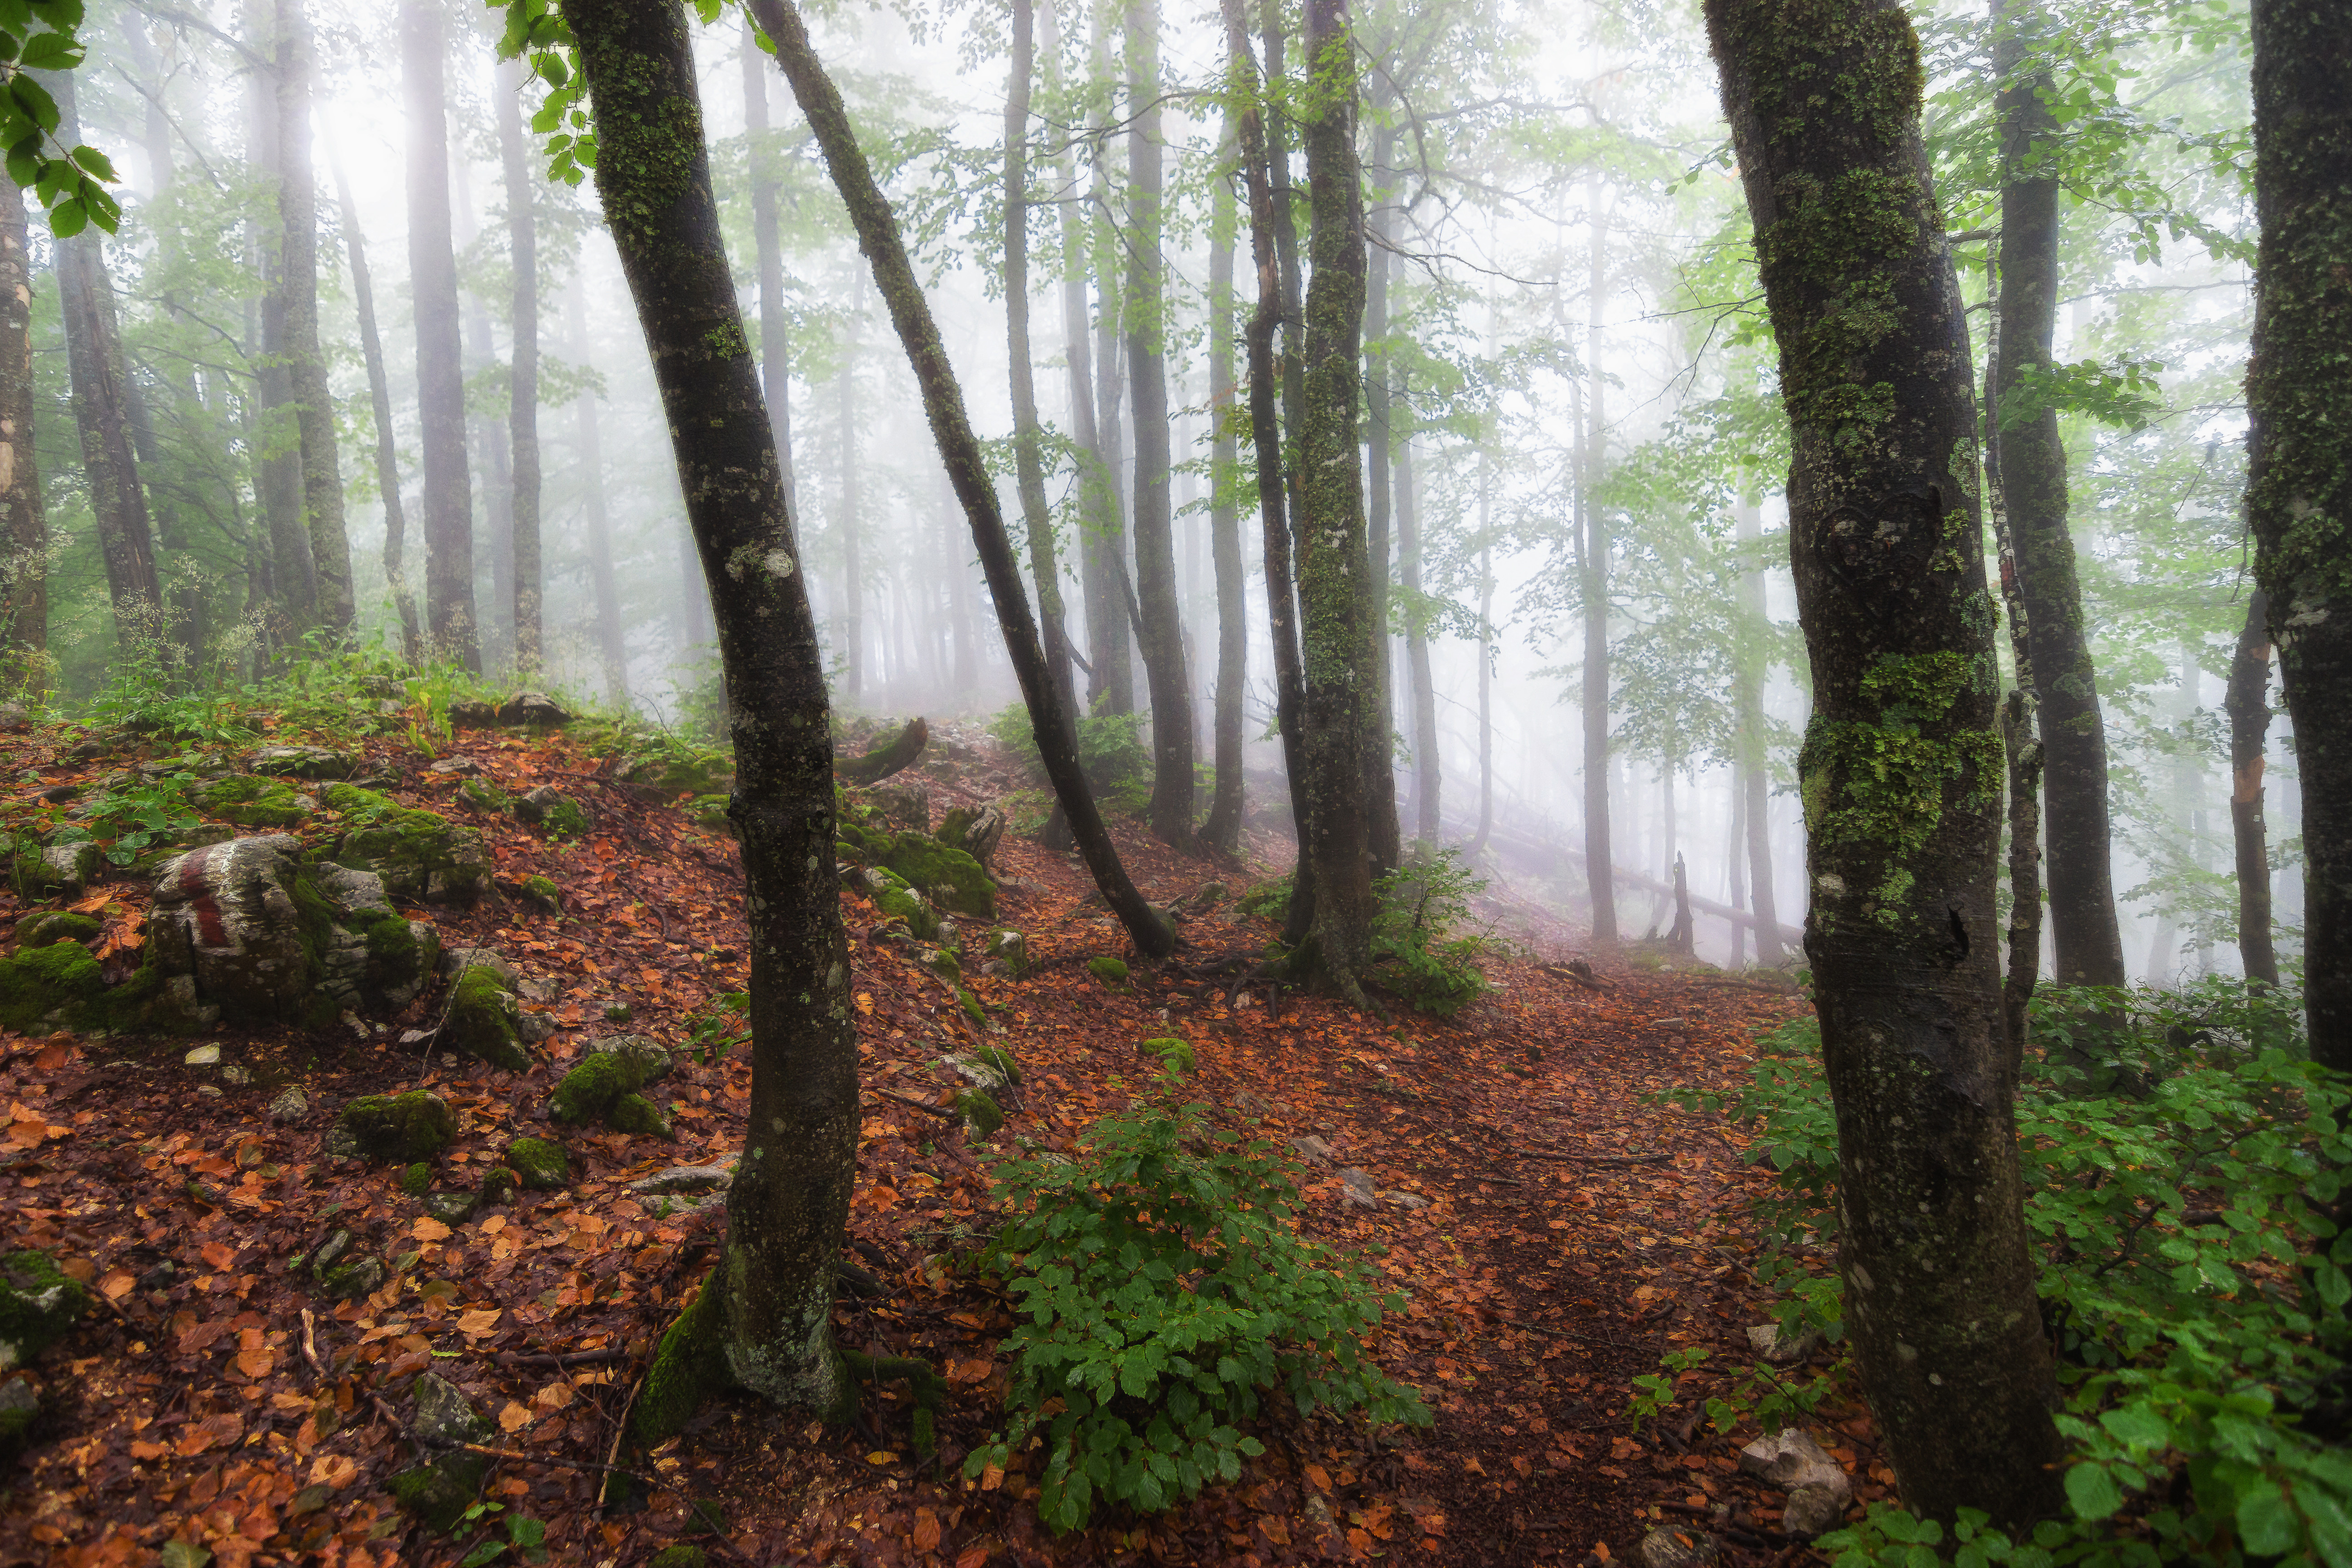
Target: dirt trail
(1555, 1228)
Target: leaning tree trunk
(2033, 487)
(960, 451)
(2020, 735)
(1900, 765)
(765, 1319)
(1222, 830)
(1172, 741)
(1345, 710)
(306, 360)
(1755, 783)
(1029, 467)
(387, 457)
(447, 499)
(23, 527)
(2249, 707)
(2299, 484)
(522, 385)
(612, 647)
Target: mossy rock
(652, 1059)
(439, 1490)
(552, 812)
(402, 1127)
(452, 1208)
(61, 981)
(950, 876)
(350, 1281)
(590, 1090)
(903, 903)
(483, 795)
(680, 1557)
(253, 802)
(485, 1020)
(539, 1164)
(981, 1115)
(20, 1407)
(303, 762)
(943, 963)
(419, 853)
(58, 869)
(1111, 972)
(998, 1060)
(669, 774)
(542, 892)
(417, 1180)
(500, 1182)
(635, 1114)
(39, 1304)
(1010, 948)
(1174, 1054)
(47, 928)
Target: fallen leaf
(428, 1229)
(117, 1285)
(478, 1321)
(336, 1470)
(257, 1364)
(514, 1417)
(927, 1530)
(971, 1556)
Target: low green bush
(1425, 945)
(1111, 752)
(1166, 1295)
(2192, 1277)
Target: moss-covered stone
(499, 1185)
(441, 1488)
(452, 1208)
(483, 795)
(1111, 972)
(943, 963)
(1174, 1054)
(542, 892)
(65, 868)
(710, 812)
(680, 1557)
(403, 1127)
(552, 812)
(539, 1164)
(39, 1303)
(20, 1407)
(981, 1115)
(950, 875)
(417, 1180)
(999, 1060)
(419, 853)
(1010, 948)
(61, 982)
(591, 1088)
(689, 1366)
(634, 1114)
(46, 927)
(252, 801)
(485, 1020)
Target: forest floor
(1574, 1230)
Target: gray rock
(179, 1005)
(1791, 1460)
(1357, 1190)
(303, 762)
(534, 1027)
(653, 1062)
(1255, 1104)
(1312, 1150)
(1677, 1547)
(70, 867)
(235, 1077)
(1781, 1347)
(205, 1056)
(1813, 1509)
(290, 1107)
(226, 915)
(1404, 1200)
(903, 806)
(533, 707)
(378, 960)
(457, 960)
(452, 1208)
(712, 1178)
(464, 767)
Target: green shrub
(1424, 947)
(2190, 1271)
(1111, 752)
(1166, 1293)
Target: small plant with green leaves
(1166, 1296)
(1425, 945)
(144, 694)
(525, 1538)
(1111, 752)
(713, 1032)
(140, 814)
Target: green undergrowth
(1111, 752)
(1426, 946)
(1168, 1298)
(2192, 1275)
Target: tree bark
(1593, 525)
(789, 1207)
(276, 439)
(447, 498)
(1755, 781)
(2249, 707)
(1172, 739)
(775, 328)
(2033, 485)
(853, 564)
(306, 360)
(612, 647)
(387, 457)
(1110, 684)
(877, 235)
(1900, 765)
(2299, 483)
(1029, 467)
(1428, 772)
(1222, 830)
(522, 386)
(1347, 731)
(24, 526)
(2021, 734)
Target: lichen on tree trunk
(1901, 766)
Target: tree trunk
(306, 361)
(24, 526)
(1486, 651)
(765, 1320)
(2033, 488)
(1901, 769)
(1347, 731)
(852, 650)
(2249, 707)
(2299, 484)
(775, 335)
(387, 458)
(1222, 830)
(494, 455)
(1427, 770)
(1036, 512)
(611, 647)
(1162, 636)
(877, 233)
(1110, 687)
(1755, 780)
(1593, 525)
(522, 387)
(277, 440)
(1273, 489)
(447, 499)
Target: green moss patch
(419, 853)
(485, 1020)
(402, 1127)
(46, 927)
(590, 1090)
(253, 802)
(689, 1366)
(39, 1303)
(540, 1163)
(1111, 972)
(61, 981)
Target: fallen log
(898, 753)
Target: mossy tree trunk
(23, 525)
(790, 1201)
(1223, 829)
(894, 274)
(387, 457)
(448, 499)
(2299, 484)
(306, 360)
(522, 383)
(2032, 465)
(1900, 765)
(2247, 703)
(1344, 710)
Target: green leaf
(51, 51)
(69, 218)
(97, 162)
(2139, 1425)
(2092, 1491)
(2267, 1523)
(483, 1552)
